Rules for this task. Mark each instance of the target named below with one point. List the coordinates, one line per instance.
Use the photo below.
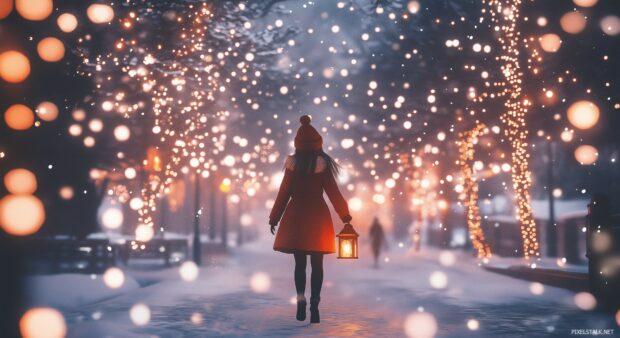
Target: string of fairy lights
(466, 144)
(505, 16)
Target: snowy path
(358, 301)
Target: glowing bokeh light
(42, 322)
(583, 114)
(122, 133)
(438, 280)
(112, 218)
(21, 215)
(585, 3)
(550, 43)
(6, 7)
(447, 258)
(20, 182)
(100, 13)
(19, 117)
(188, 271)
(573, 22)
(14, 66)
(473, 324)
(136, 203)
(47, 111)
(67, 22)
(356, 204)
(413, 7)
(586, 154)
(610, 25)
(66, 192)
(260, 282)
(51, 49)
(113, 278)
(420, 325)
(144, 233)
(537, 288)
(585, 301)
(140, 314)
(34, 10)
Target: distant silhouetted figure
(377, 239)
(306, 227)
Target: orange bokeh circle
(21, 215)
(19, 117)
(51, 49)
(43, 322)
(20, 182)
(14, 66)
(35, 10)
(6, 7)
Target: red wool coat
(306, 226)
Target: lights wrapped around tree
(347, 242)
(470, 189)
(505, 16)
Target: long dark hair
(305, 161)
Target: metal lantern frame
(348, 234)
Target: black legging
(316, 279)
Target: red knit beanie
(307, 137)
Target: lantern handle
(348, 230)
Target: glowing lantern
(100, 13)
(573, 22)
(586, 154)
(67, 22)
(21, 215)
(51, 49)
(347, 242)
(35, 10)
(6, 6)
(14, 66)
(19, 117)
(20, 182)
(42, 322)
(47, 111)
(550, 43)
(583, 114)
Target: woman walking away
(306, 228)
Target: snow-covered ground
(249, 293)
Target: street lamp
(196, 245)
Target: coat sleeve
(334, 195)
(284, 194)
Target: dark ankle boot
(314, 310)
(301, 308)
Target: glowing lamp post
(347, 242)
